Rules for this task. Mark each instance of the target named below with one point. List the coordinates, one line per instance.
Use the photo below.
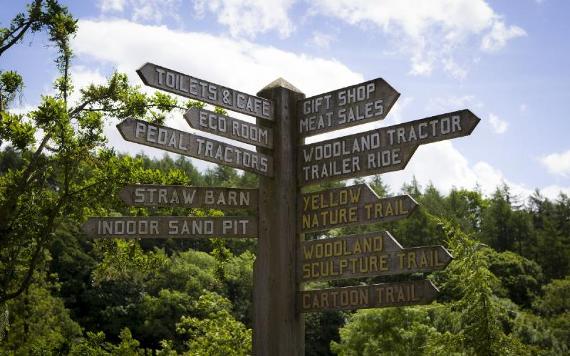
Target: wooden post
(278, 328)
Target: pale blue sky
(507, 61)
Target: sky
(507, 61)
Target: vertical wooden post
(277, 328)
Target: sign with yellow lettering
(357, 204)
(370, 296)
(152, 195)
(378, 151)
(164, 227)
(367, 255)
(188, 144)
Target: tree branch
(37, 253)
(16, 38)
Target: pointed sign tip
(85, 227)
(123, 124)
(141, 73)
(432, 286)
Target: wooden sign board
(378, 151)
(367, 255)
(364, 297)
(346, 107)
(222, 125)
(354, 205)
(182, 84)
(152, 195)
(188, 144)
(153, 227)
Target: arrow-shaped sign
(187, 144)
(151, 227)
(341, 108)
(363, 297)
(354, 205)
(182, 84)
(368, 255)
(378, 151)
(222, 125)
(151, 195)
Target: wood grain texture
(278, 327)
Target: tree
(392, 331)
(465, 208)
(214, 331)
(95, 344)
(377, 184)
(497, 226)
(480, 312)
(520, 277)
(69, 169)
(555, 306)
(321, 329)
(39, 323)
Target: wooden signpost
(222, 125)
(194, 88)
(354, 205)
(346, 107)
(165, 227)
(188, 144)
(283, 260)
(368, 255)
(152, 195)
(364, 297)
(378, 151)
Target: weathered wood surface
(367, 255)
(364, 297)
(164, 227)
(352, 205)
(226, 126)
(194, 88)
(346, 107)
(278, 327)
(154, 195)
(188, 144)
(378, 151)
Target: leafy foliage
(215, 332)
